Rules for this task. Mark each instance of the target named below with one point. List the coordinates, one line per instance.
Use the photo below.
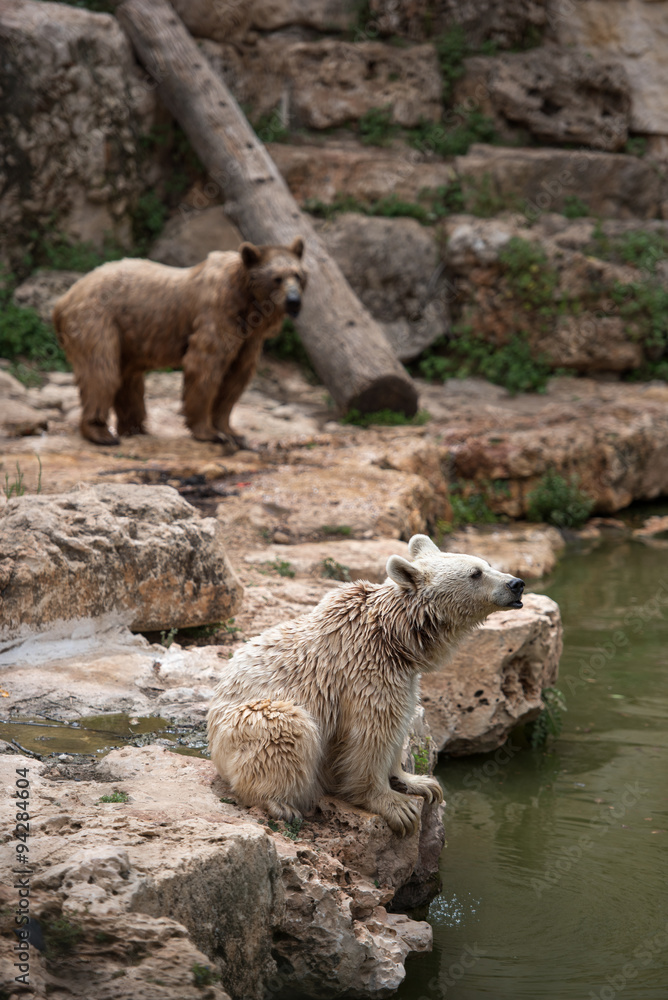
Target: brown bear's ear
(404, 573)
(250, 254)
(297, 247)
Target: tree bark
(345, 344)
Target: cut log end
(388, 393)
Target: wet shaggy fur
(323, 703)
(130, 316)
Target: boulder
(323, 84)
(142, 553)
(508, 23)
(191, 235)
(42, 288)
(321, 173)
(394, 267)
(495, 679)
(525, 550)
(272, 909)
(557, 94)
(536, 181)
(70, 136)
(17, 417)
(635, 34)
(349, 560)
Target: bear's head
(275, 276)
(458, 589)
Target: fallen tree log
(345, 344)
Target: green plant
(271, 128)
(167, 637)
(333, 570)
(574, 207)
(550, 721)
(24, 335)
(288, 346)
(337, 529)
(376, 127)
(115, 797)
(230, 802)
(282, 567)
(148, 221)
(385, 418)
(558, 501)
(466, 127)
(61, 935)
(636, 146)
(483, 200)
(531, 279)
(17, 488)
(292, 829)
(510, 365)
(421, 757)
(452, 49)
(433, 204)
(203, 975)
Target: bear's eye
(278, 279)
(476, 574)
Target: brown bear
(323, 703)
(130, 316)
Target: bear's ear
(403, 573)
(422, 545)
(297, 247)
(250, 254)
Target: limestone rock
(141, 552)
(327, 83)
(17, 417)
(495, 679)
(394, 268)
(223, 20)
(321, 15)
(190, 236)
(309, 503)
(509, 23)
(525, 550)
(42, 288)
(560, 95)
(70, 136)
(178, 863)
(320, 173)
(354, 560)
(633, 32)
(540, 180)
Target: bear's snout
(516, 587)
(293, 302)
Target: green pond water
(555, 875)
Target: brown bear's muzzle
(293, 303)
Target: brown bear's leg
(209, 355)
(232, 386)
(129, 404)
(98, 380)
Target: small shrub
(24, 335)
(333, 570)
(270, 127)
(115, 797)
(574, 207)
(385, 418)
(636, 146)
(282, 567)
(61, 936)
(167, 638)
(148, 221)
(531, 279)
(510, 365)
(452, 48)
(421, 757)
(337, 529)
(288, 346)
(292, 829)
(433, 204)
(203, 975)
(556, 501)
(376, 127)
(482, 200)
(550, 721)
(455, 140)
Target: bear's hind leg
(269, 751)
(129, 404)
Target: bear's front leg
(234, 382)
(207, 359)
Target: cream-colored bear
(323, 703)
